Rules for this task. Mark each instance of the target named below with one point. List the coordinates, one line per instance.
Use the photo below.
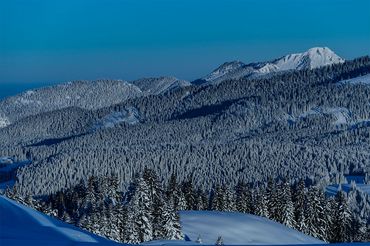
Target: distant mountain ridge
(82, 94)
(159, 85)
(313, 58)
(104, 93)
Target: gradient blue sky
(61, 40)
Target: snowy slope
(20, 225)
(239, 229)
(332, 190)
(155, 86)
(359, 80)
(313, 58)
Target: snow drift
(20, 225)
(239, 229)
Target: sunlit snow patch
(341, 115)
(4, 121)
(130, 116)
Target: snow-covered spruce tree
(358, 229)
(156, 197)
(131, 230)
(141, 210)
(201, 200)
(316, 214)
(272, 199)
(229, 200)
(111, 222)
(90, 208)
(173, 190)
(218, 198)
(241, 197)
(330, 207)
(181, 204)
(159, 214)
(287, 206)
(219, 241)
(113, 195)
(299, 199)
(171, 228)
(188, 190)
(261, 203)
(342, 218)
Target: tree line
(148, 209)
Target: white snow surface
(239, 229)
(130, 116)
(332, 190)
(20, 225)
(365, 80)
(341, 115)
(4, 121)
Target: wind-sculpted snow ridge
(20, 225)
(313, 58)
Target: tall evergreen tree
(141, 210)
(342, 218)
(299, 199)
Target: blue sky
(54, 41)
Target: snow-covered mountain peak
(323, 56)
(312, 58)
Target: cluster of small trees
(148, 210)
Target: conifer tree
(299, 199)
(287, 206)
(261, 204)
(171, 225)
(342, 218)
(141, 209)
(219, 241)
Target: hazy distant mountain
(159, 85)
(83, 94)
(313, 58)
